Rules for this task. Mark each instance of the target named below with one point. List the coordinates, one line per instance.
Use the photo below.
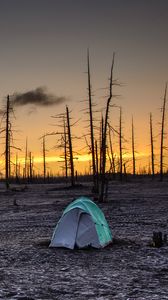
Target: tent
(82, 225)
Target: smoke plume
(38, 97)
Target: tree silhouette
(120, 146)
(91, 125)
(70, 147)
(104, 137)
(152, 147)
(133, 149)
(162, 133)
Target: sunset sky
(44, 44)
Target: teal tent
(82, 224)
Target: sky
(44, 45)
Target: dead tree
(9, 150)
(44, 158)
(133, 150)
(63, 144)
(70, 147)
(8, 139)
(30, 167)
(25, 173)
(101, 145)
(104, 138)
(16, 168)
(112, 163)
(65, 149)
(43, 138)
(97, 164)
(162, 133)
(152, 147)
(63, 141)
(91, 125)
(120, 146)
(7, 143)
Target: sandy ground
(129, 269)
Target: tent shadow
(43, 243)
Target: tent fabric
(86, 233)
(82, 224)
(65, 232)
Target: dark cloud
(38, 97)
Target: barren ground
(128, 269)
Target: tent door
(86, 233)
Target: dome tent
(82, 224)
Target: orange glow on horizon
(80, 158)
(82, 162)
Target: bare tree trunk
(44, 158)
(25, 165)
(97, 166)
(112, 167)
(104, 138)
(125, 171)
(70, 148)
(9, 160)
(120, 145)
(16, 167)
(152, 147)
(133, 149)
(19, 170)
(162, 133)
(101, 145)
(30, 166)
(65, 150)
(91, 125)
(7, 144)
